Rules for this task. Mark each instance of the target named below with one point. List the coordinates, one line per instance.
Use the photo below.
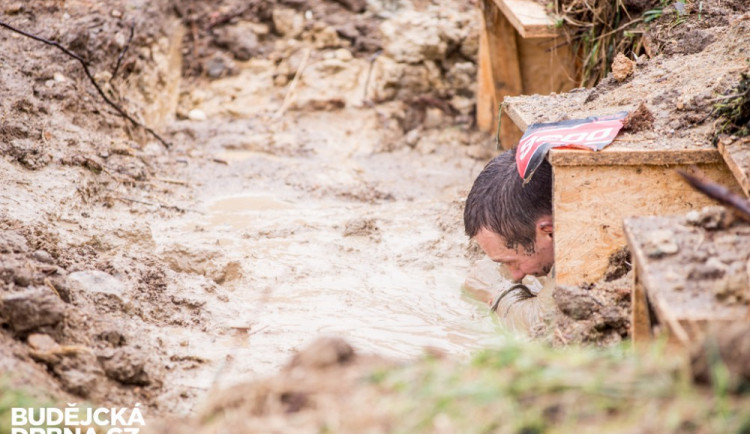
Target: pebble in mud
(105, 290)
(660, 243)
(43, 256)
(126, 365)
(12, 242)
(622, 67)
(710, 217)
(32, 309)
(323, 353)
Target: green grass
(531, 388)
(14, 397)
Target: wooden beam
(501, 59)
(640, 322)
(486, 105)
(529, 18)
(618, 155)
(736, 153)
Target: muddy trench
(324, 199)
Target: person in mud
(512, 223)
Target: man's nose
(516, 274)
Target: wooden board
(640, 322)
(736, 153)
(547, 65)
(684, 303)
(529, 18)
(486, 104)
(590, 203)
(500, 58)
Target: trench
(331, 237)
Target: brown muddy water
(315, 281)
(338, 239)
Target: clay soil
(306, 182)
(313, 184)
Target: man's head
(512, 222)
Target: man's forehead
(493, 243)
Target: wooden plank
(618, 155)
(503, 63)
(529, 18)
(510, 135)
(640, 322)
(683, 301)
(547, 65)
(486, 105)
(590, 203)
(736, 153)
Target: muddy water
(311, 277)
(333, 236)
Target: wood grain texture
(590, 203)
(736, 153)
(640, 322)
(529, 18)
(486, 104)
(547, 65)
(618, 155)
(501, 60)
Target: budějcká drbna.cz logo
(74, 420)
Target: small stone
(344, 54)
(219, 65)
(622, 67)
(12, 242)
(197, 115)
(230, 272)
(103, 289)
(240, 39)
(126, 365)
(574, 302)
(353, 5)
(43, 256)
(322, 353)
(22, 276)
(41, 342)
(14, 8)
(710, 217)
(434, 118)
(59, 77)
(412, 137)
(32, 309)
(288, 22)
(116, 13)
(660, 243)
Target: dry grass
(599, 29)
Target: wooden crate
(594, 191)
(520, 52)
(669, 294)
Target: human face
(519, 261)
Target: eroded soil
(136, 273)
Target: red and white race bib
(593, 133)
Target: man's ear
(545, 225)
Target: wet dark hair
(500, 202)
